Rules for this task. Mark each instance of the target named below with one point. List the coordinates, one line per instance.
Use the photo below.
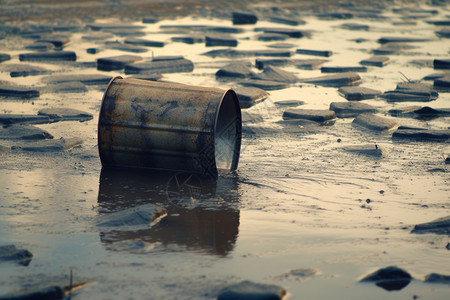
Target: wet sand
(298, 201)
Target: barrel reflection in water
(202, 215)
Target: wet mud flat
(342, 187)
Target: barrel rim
(237, 150)
(105, 94)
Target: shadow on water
(393, 285)
(202, 215)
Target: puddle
(298, 201)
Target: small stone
(442, 83)
(222, 29)
(23, 132)
(337, 80)
(49, 56)
(422, 134)
(402, 39)
(392, 48)
(437, 278)
(343, 69)
(126, 47)
(423, 63)
(287, 21)
(87, 79)
(126, 32)
(52, 145)
(183, 28)
(403, 111)
(376, 61)
(369, 150)
(9, 119)
(439, 22)
(417, 88)
(167, 57)
(336, 15)
(249, 96)
(401, 96)
(276, 74)
(10, 253)
(143, 42)
(427, 112)
(267, 85)
(317, 115)
(374, 122)
(18, 91)
(293, 33)
(269, 37)
(281, 53)
(443, 33)
(116, 62)
(355, 26)
(434, 76)
(246, 290)
(358, 93)
(97, 36)
(65, 114)
(281, 45)
(308, 64)
(247, 53)
(4, 57)
(188, 39)
(23, 70)
(236, 69)
(160, 66)
(215, 40)
(289, 103)
(262, 63)
(438, 226)
(411, 91)
(351, 109)
(150, 20)
(66, 87)
(240, 18)
(325, 53)
(112, 26)
(58, 41)
(390, 278)
(143, 215)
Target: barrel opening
(227, 135)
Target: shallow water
(297, 200)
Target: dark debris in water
(317, 115)
(391, 278)
(249, 290)
(438, 226)
(10, 253)
(23, 132)
(351, 109)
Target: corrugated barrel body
(169, 126)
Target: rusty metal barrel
(168, 126)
